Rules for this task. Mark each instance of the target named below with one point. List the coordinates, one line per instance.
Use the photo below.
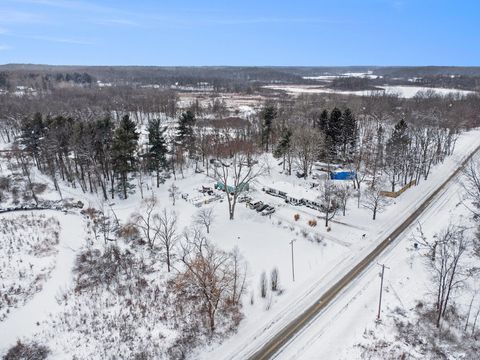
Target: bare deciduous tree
(205, 217)
(344, 193)
(210, 276)
(167, 234)
(471, 183)
(448, 270)
(374, 199)
(147, 221)
(173, 192)
(328, 201)
(237, 168)
(307, 144)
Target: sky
(247, 32)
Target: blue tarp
(342, 175)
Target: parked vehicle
(254, 206)
(244, 198)
(206, 190)
(261, 208)
(268, 210)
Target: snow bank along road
(279, 340)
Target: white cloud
(13, 16)
(116, 22)
(61, 40)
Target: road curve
(282, 337)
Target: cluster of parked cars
(261, 207)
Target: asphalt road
(269, 350)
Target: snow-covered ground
(349, 320)
(317, 266)
(28, 249)
(369, 74)
(24, 321)
(321, 256)
(400, 90)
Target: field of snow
(28, 249)
(401, 91)
(24, 321)
(368, 74)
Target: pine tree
(157, 152)
(396, 150)
(334, 132)
(33, 130)
(284, 149)
(185, 134)
(269, 114)
(349, 134)
(323, 121)
(124, 147)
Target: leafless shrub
(274, 279)
(263, 285)
(27, 351)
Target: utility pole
(293, 263)
(381, 290)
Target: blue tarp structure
(221, 186)
(342, 175)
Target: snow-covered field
(401, 91)
(28, 249)
(369, 74)
(321, 256)
(23, 321)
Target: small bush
(312, 223)
(31, 351)
(274, 279)
(263, 285)
(296, 217)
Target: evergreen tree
(124, 146)
(334, 132)
(33, 130)
(396, 150)
(185, 137)
(349, 134)
(268, 115)
(284, 149)
(157, 152)
(323, 121)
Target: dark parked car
(263, 207)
